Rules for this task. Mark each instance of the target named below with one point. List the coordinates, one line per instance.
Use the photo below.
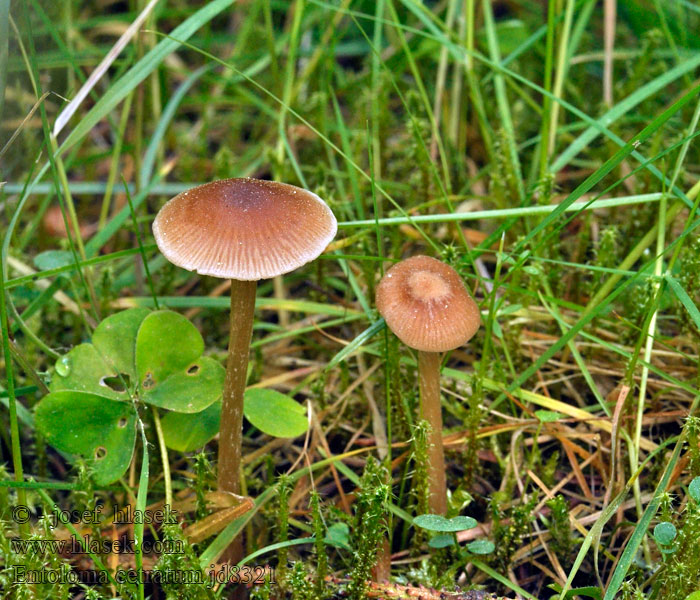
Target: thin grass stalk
(547, 85)
(4, 50)
(670, 38)
(156, 100)
(58, 170)
(610, 15)
(12, 399)
(283, 142)
(141, 500)
(561, 70)
(457, 106)
(440, 78)
(270, 39)
(487, 349)
(163, 459)
(61, 182)
(502, 98)
(289, 75)
(444, 181)
(472, 82)
(114, 162)
(332, 29)
(27, 331)
(70, 45)
(374, 108)
(651, 331)
(142, 251)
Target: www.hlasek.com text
(87, 545)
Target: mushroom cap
(245, 229)
(425, 303)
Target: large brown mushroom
(243, 230)
(425, 303)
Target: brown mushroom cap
(425, 303)
(245, 229)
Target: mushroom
(243, 230)
(425, 303)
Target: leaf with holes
(154, 357)
(99, 429)
(172, 372)
(115, 339)
(83, 370)
(191, 390)
(166, 343)
(185, 432)
(274, 413)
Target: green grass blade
(277, 546)
(461, 53)
(624, 107)
(501, 97)
(141, 498)
(501, 579)
(142, 69)
(640, 530)
(24, 279)
(39, 485)
(607, 167)
(359, 340)
(4, 41)
(149, 156)
(114, 225)
(685, 299)
(290, 305)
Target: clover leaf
(100, 429)
(444, 525)
(185, 433)
(172, 373)
(270, 411)
(275, 413)
(136, 356)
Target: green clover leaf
(95, 427)
(275, 413)
(442, 524)
(135, 356)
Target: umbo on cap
(425, 303)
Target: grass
(557, 174)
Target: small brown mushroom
(243, 230)
(425, 303)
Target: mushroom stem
(430, 410)
(231, 430)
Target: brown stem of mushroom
(231, 430)
(430, 410)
